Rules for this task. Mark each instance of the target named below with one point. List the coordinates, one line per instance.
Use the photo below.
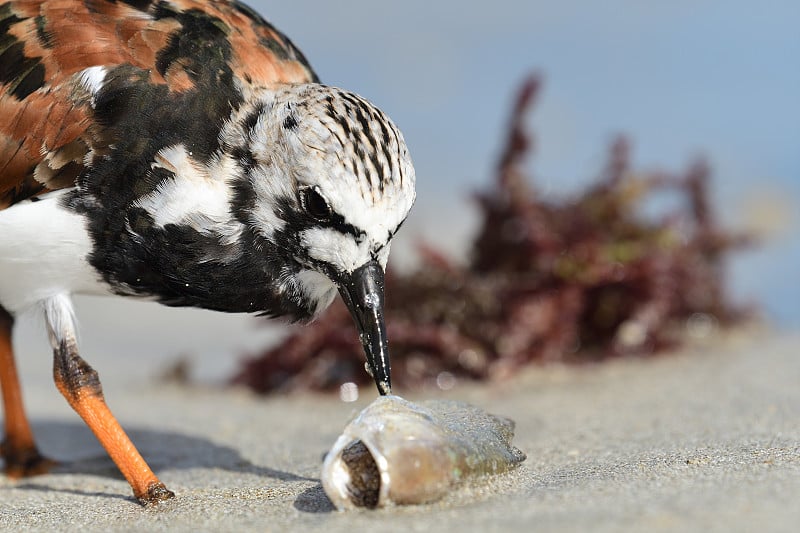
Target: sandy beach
(707, 439)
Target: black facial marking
(391, 233)
(290, 122)
(297, 222)
(244, 157)
(346, 228)
(251, 119)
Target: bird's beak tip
(362, 292)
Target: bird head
(328, 181)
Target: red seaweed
(578, 279)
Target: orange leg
(80, 385)
(18, 448)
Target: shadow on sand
(78, 452)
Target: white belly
(43, 252)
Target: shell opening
(364, 483)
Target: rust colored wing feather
(46, 125)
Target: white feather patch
(43, 253)
(92, 79)
(197, 196)
(317, 287)
(330, 246)
(267, 188)
(60, 318)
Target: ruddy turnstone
(181, 151)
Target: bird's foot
(156, 493)
(24, 461)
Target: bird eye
(314, 203)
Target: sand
(707, 439)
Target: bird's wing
(46, 122)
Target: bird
(181, 151)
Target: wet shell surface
(399, 452)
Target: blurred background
(679, 79)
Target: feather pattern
(46, 124)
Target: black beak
(362, 291)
